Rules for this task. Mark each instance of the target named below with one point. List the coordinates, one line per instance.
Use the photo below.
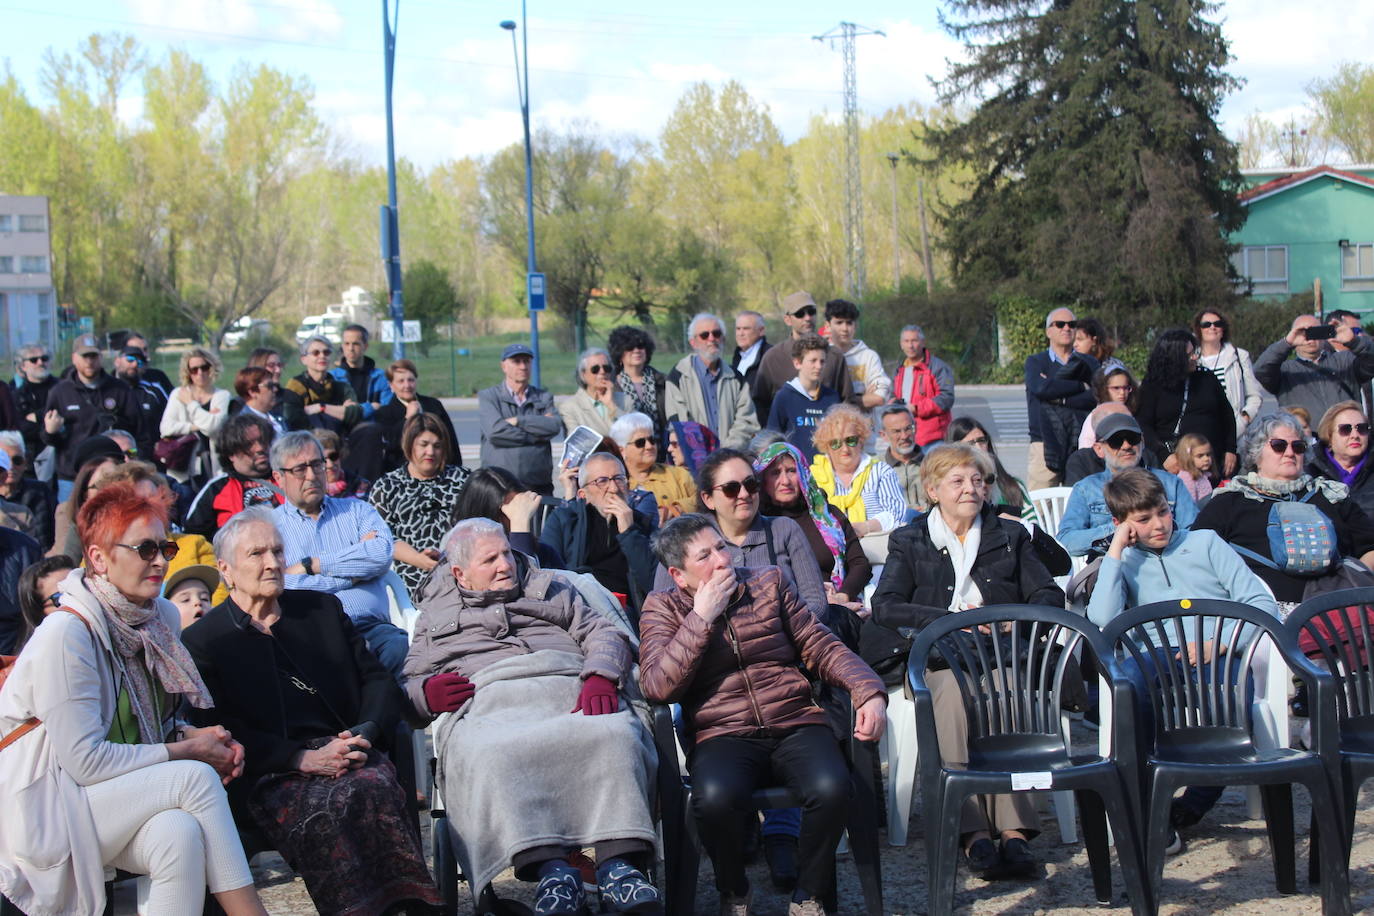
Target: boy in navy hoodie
(799, 405)
(1148, 561)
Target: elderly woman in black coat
(958, 556)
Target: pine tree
(1101, 176)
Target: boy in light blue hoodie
(1150, 561)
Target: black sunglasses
(1212, 324)
(1120, 439)
(643, 442)
(150, 548)
(731, 488)
(712, 335)
(1064, 324)
(38, 359)
(1281, 445)
(599, 368)
(55, 599)
(1345, 428)
(806, 311)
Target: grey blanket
(518, 770)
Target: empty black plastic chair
(1202, 733)
(1335, 634)
(1012, 679)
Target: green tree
(1101, 176)
(430, 298)
(1345, 104)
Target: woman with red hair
(102, 771)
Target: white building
(28, 309)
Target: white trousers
(171, 822)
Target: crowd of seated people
(222, 570)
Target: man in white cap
(519, 422)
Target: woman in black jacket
(1177, 397)
(407, 402)
(1342, 452)
(298, 687)
(962, 555)
(631, 351)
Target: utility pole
(845, 33)
(896, 235)
(925, 238)
(391, 231)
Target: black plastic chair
(681, 857)
(1011, 686)
(1203, 732)
(1335, 632)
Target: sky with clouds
(619, 64)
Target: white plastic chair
(403, 614)
(1049, 505)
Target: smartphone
(1321, 332)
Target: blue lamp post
(534, 281)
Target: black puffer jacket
(1361, 488)
(88, 412)
(17, 551)
(919, 578)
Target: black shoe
(982, 857)
(781, 854)
(1181, 817)
(1017, 860)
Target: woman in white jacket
(1229, 363)
(196, 406)
(97, 769)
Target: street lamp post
(391, 232)
(522, 87)
(896, 236)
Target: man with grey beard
(897, 428)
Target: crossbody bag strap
(1187, 384)
(33, 722)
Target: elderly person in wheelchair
(538, 754)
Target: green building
(1309, 224)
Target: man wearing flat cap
(1087, 529)
(84, 404)
(776, 368)
(519, 422)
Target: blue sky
(616, 63)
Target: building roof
(1295, 179)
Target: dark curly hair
(628, 337)
(1103, 345)
(1169, 366)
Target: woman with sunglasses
(1342, 452)
(1272, 453)
(861, 486)
(196, 406)
(728, 491)
(597, 402)
(631, 351)
(1229, 363)
(111, 772)
(1177, 396)
(673, 487)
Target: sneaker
(560, 893)
(808, 907)
(781, 854)
(730, 905)
(626, 889)
(1174, 844)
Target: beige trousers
(1038, 477)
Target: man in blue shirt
(1087, 528)
(340, 546)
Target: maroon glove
(598, 696)
(446, 692)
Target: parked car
(245, 328)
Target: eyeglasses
(271, 386)
(321, 353)
(203, 367)
(298, 471)
(644, 442)
(1061, 325)
(1120, 439)
(38, 359)
(716, 334)
(977, 440)
(1345, 428)
(903, 431)
(94, 354)
(850, 441)
(1281, 445)
(149, 549)
(730, 489)
(602, 483)
(18, 461)
(1212, 324)
(55, 599)
(599, 368)
(806, 311)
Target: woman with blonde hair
(197, 407)
(860, 485)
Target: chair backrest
(1335, 631)
(1012, 676)
(402, 611)
(1181, 693)
(1049, 505)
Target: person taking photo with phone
(1319, 375)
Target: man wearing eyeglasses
(702, 388)
(1087, 529)
(85, 404)
(33, 494)
(897, 427)
(243, 444)
(336, 545)
(33, 381)
(605, 531)
(1318, 375)
(1058, 393)
(776, 368)
(519, 422)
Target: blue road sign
(534, 286)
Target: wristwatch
(308, 565)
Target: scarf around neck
(813, 497)
(962, 554)
(137, 629)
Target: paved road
(1001, 408)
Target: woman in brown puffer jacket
(729, 644)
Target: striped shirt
(349, 567)
(882, 494)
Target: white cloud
(230, 21)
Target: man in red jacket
(926, 383)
